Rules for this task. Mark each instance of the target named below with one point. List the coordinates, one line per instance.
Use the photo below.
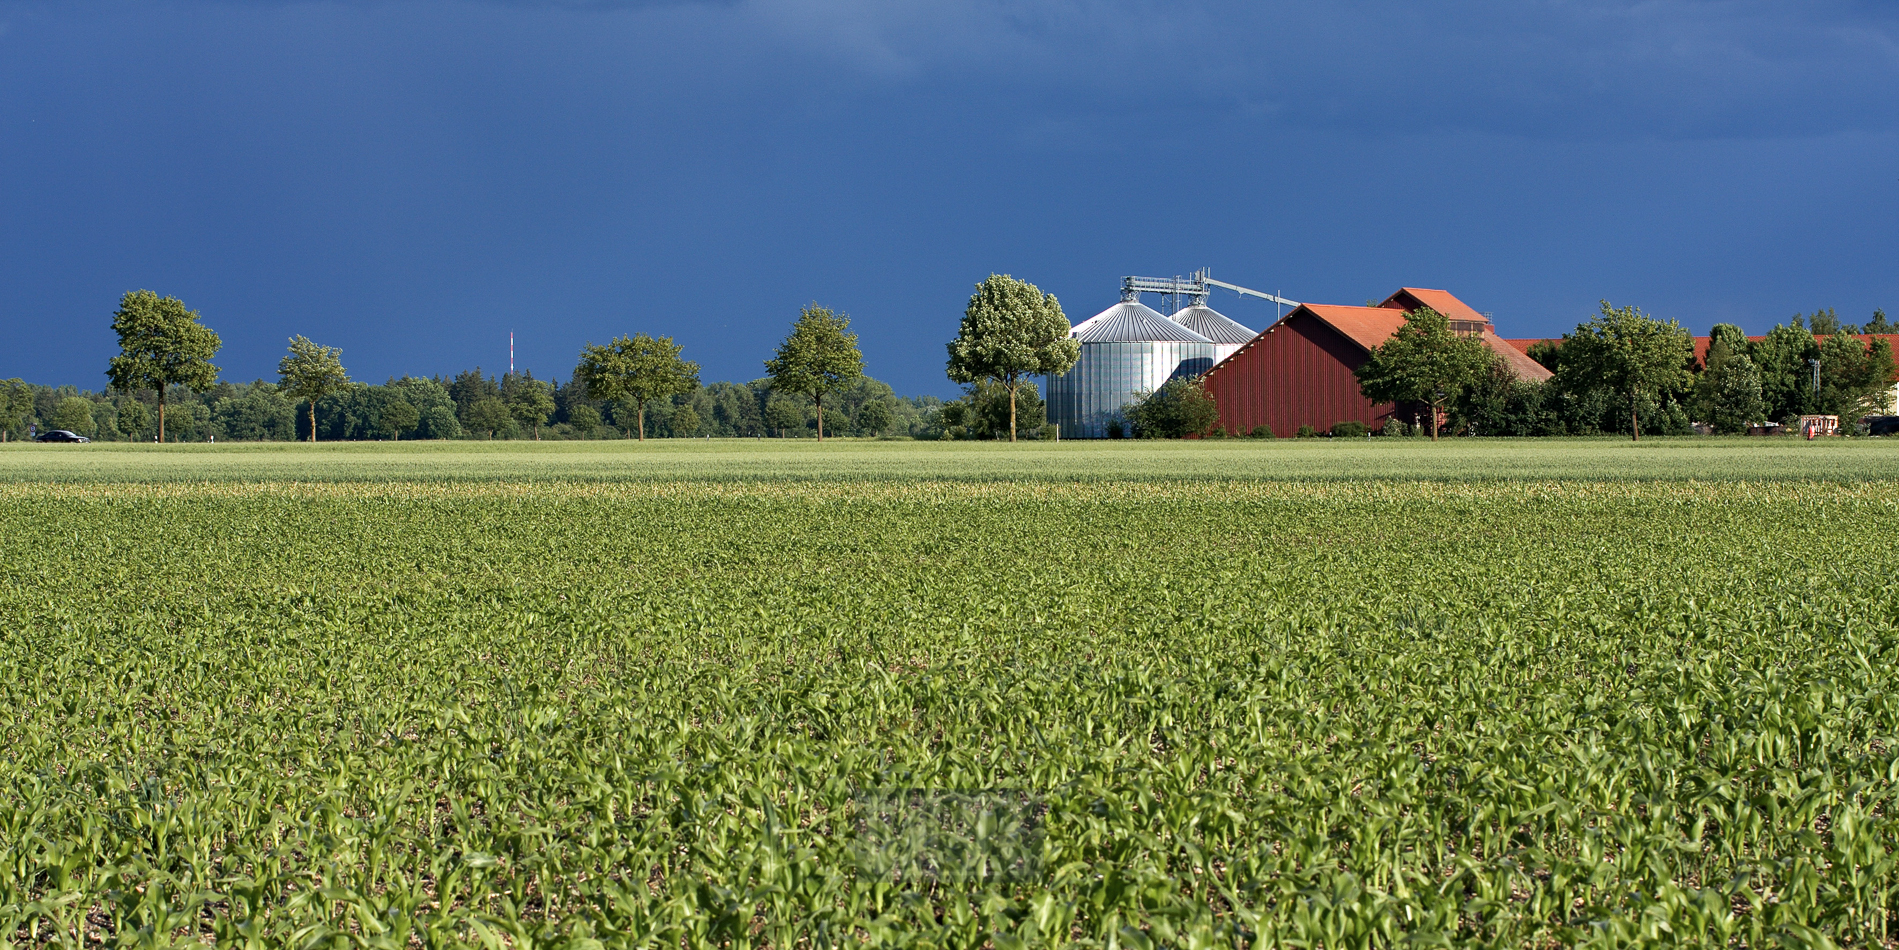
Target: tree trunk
(312, 422)
(1635, 423)
(1012, 411)
(161, 415)
(819, 399)
(642, 420)
(1434, 422)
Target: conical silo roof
(1132, 322)
(1213, 324)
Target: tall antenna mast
(510, 352)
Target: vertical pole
(510, 352)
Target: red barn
(1298, 371)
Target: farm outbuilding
(1298, 372)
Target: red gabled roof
(1371, 326)
(1365, 326)
(1518, 361)
(1443, 301)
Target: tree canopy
(74, 414)
(1855, 377)
(985, 410)
(1011, 329)
(529, 400)
(133, 419)
(161, 344)
(1784, 357)
(639, 368)
(1632, 354)
(16, 403)
(488, 415)
(874, 416)
(818, 358)
(1426, 362)
(1727, 395)
(309, 372)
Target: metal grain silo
(1227, 334)
(1127, 350)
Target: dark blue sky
(409, 180)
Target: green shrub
(1306, 432)
(1260, 432)
(1178, 409)
(1349, 430)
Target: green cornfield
(1248, 696)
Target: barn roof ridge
(1368, 327)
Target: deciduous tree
(1727, 395)
(1783, 357)
(16, 403)
(874, 417)
(1825, 323)
(74, 415)
(639, 368)
(820, 357)
(161, 344)
(1855, 377)
(310, 372)
(1011, 329)
(1425, 362)
(1729, 335)
(134, 418)
(398, 417)
(488, 415)
(783, 414)
(529, 400)
(584, 419)
(685, 422)
(1632, 354)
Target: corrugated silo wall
(1298, 373)
(1109, 376)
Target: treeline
(163, 387)
(468, 405)
(1739, 383)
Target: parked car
(61, 435)
(1882, 425)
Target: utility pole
(510, 352)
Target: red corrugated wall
(1297, 373)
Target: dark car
(61, 435)
(1882, 425)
